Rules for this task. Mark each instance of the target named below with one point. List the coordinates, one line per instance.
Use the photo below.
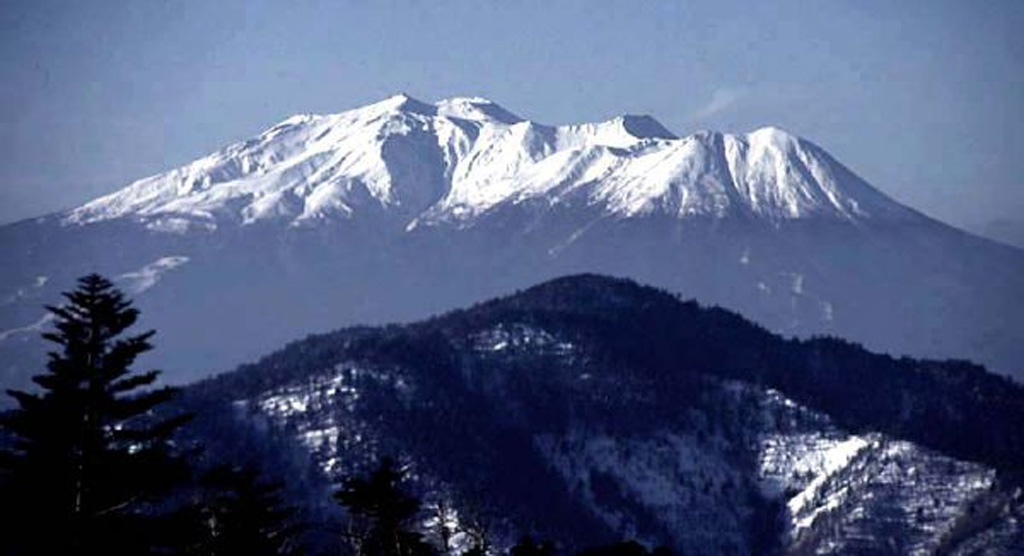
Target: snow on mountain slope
(460, 157)
(711, 465)
(844, 492)
(146, 277)
(133, 283)
(401, 209)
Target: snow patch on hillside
(519, 337)
(32, 328)
(28, 291)
(146, 277)
(849, 484)
(324, 407)
(133, 283)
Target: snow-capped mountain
(460, 158)
(589, 409)
(402, 208)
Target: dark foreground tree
(626, 548)
(527, 546)
(381, 513)
(478, 537)
(237, 512)
(87, 460)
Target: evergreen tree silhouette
(478, 535)
(477, 549)
(527, 546)
(442, 525)
(626, 548)
(239, 513)
(88, 459)
(381, 513)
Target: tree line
(89, 465)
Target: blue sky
(924, 99)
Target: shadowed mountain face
(588, 409)
(401, 209)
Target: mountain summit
(458, 158)
(403, 208)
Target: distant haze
(923, 101)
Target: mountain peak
(475, 108)
(405, 103)
(773, 135)
(421, 162)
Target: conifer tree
(625, 548)
(479, 538)
(381, 513)
(527, 546)
(442, 522)
(237, 512)
(88, 460)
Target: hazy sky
(924, 99)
